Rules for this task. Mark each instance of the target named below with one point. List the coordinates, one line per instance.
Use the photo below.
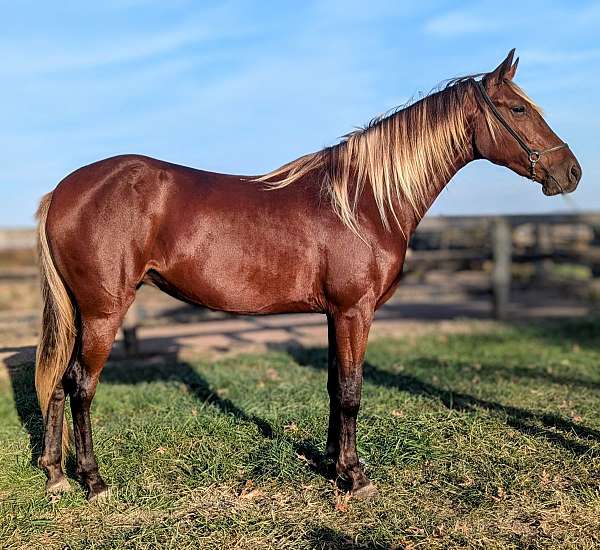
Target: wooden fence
(461, 242)
(465, 242)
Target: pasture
(489, 438)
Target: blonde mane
(402, 155)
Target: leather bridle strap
(533, 154)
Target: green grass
(484, 440)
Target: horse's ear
(513, 69)
(505, 71)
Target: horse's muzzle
(564, 180)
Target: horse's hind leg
(51, 457)
(98, 334)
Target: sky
(243, 87)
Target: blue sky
(242, 87)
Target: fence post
(130, 324)
(543, 246)
(501, 272)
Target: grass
(484, 440)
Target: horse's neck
(408, 217)
(438, 184)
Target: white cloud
(552, 57)
(44, 57)
(242, 89)
(559, 21)
(460, 22)
(108, 54)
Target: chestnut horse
(326, 233)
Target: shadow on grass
(172, 368)
(534, 423)
(583, 332)
(21, 371)
(153, 368)
(565, 334)
(325, 538)
(169, 367)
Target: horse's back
(219, 240)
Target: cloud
(356, 11)
(568, 19)
(552, 57)
(459, 23)
(117, 48)
(121, 52)
(241, 86)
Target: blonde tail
(58, 330)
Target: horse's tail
(58, 332)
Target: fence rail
(454, 242)
(16, 239)
(462, 241)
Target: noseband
(533, 154)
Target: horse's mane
(401, 154)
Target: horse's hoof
(58, 487)
(101, 496)
(365, 492)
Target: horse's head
(509, 130)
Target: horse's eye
(518, 110)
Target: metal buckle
(534, 157)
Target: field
(489, 438)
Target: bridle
(533, 155)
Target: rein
(533, 155)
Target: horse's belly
(239, 297)
(253, 287)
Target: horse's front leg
(332, 450)
(351, 334)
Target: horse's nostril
(574, 173)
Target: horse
(325, 233)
